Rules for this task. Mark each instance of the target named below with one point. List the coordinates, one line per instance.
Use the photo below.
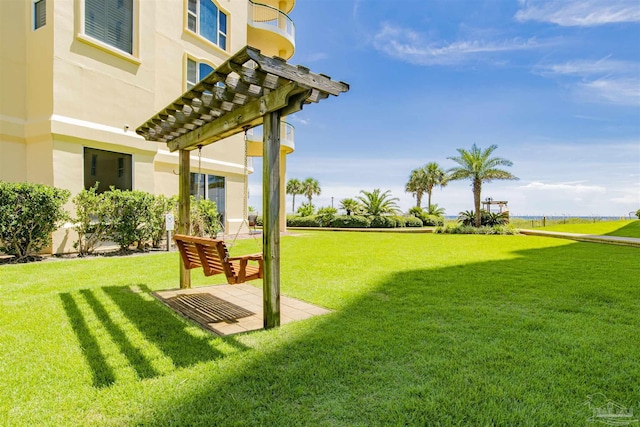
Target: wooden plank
(234, 121)
(271, 219)
(184, 209)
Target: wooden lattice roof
(235, 97)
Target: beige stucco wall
(61, 91)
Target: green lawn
(426, 329)
(628, 228)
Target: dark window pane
(108, 169)
(209, 20)
(40, 14)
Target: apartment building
(78, 76)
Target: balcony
(270, 30)
(254, 140)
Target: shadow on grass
(510, 342)
(161, 329)
(630, 230)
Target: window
(111, 22)
(212, 188)
(39, 14)
(204, 17)
(107, 169)
(196, 71)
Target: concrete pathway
(612, 240)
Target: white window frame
(195, 14)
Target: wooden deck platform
(232, 309)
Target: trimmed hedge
(351, 221)
(303, 221)
(383, 222)
(412, 221)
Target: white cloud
(415, 48)
(579, 13)
(604, 80)
(574, 188)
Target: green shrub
(92, 219)
(303, 221)
(161, 206)
(412, 221)
(383, 222)
(131, 217)
(326, 216)
(29, 213)
(351, 221)
(260, 222)
(638, 213)
(306, 209)
(400, 221)
(470, 229)
(205, 220)
(433, 220)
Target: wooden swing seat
(212, 255)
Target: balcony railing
(272, 19)
(286, 134)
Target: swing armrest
(250, 257)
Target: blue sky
(555, 84)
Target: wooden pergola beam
(235, 121)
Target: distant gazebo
(502, 205)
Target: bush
(638, 213)
(383, 222)
(326, 216)
(205, 220)
(29, 213)
(161, 206)
(92, 219)
(306, 209)
(351, 221)
(433, 221)
(303, 221)
(470, 229)
(412, 221)
(400, 221)
(131, 217)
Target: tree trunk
(429, 200)
(477, 187)
(293, 205)
(418, 199)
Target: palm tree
(310, 187)
(422, 180)
(349, 205)
(416, 185)
(434, 175)
(376, 203)
(294, 187)
(478, 166)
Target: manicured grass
(426, 330)
(629, 228)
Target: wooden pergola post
(271, 219)
(184, 209)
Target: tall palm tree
(478, 166)
(376, 203)
(417, 184)
(434, 175)
(310, 187)
(294, 187)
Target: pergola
(247, 90)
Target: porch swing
(213, 254)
